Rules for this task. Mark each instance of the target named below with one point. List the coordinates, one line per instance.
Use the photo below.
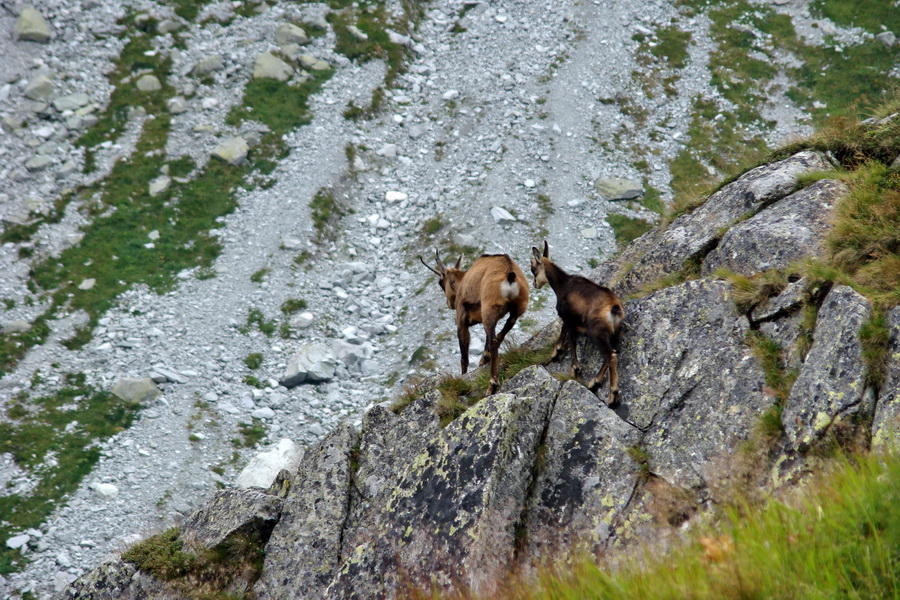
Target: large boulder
(585, 479)
(305, 545)
(886, 426)
(230, 513)
(450, 518)
(792, 229)
(693, 235)
(831, 387)
(687, 379)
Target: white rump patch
(509, 291)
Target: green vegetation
(751, 292)
(460, 393)
(255, 318)
(627, 229)
(210, 574)
(54, 440)
(433, 225)
(251, 434)
(292, 305)
(260, 275)
(253, 360)
(769, 353)
(672, 46)
(324, 208)
(840, 539)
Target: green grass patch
(324, 210)
(433, 225)
(779, 379)
(874, 336)
(627, 229)
(292, 305)
(253, 360)
(210, 574)
(751, 292)
(250, 434)
(672, 46)
(280, 106)
(255, 318)
(460, 393)
(260, 275)
(54, 439)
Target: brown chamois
(492, 287)
(584, 307)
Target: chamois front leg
(563, 335)
(462, 333)
(573, 349)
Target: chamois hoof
(613, 398)
(485, 359)
(492, 389)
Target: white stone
(589, 234)
(302, 320)
(529, 183)
(87, 284)
(288, 33)
(310, 363)
(17, 541)
(158, 186)
(450, 95)
(264, 467)
(394, 196)
(233, 151)
(501, 215)
(149, 83)
(263, 413)
(107, 490)
(269, 66)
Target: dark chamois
(492, 287)
(584, 307)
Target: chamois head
(538, 265)
(448, 279)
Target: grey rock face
(683, 361)
(230, 512)
(451, 515)
(886, 426)
(71, 102)
(118, 580)
(692, 235)
(831, 386)
(791, 229)
(31, 26)
(305, 545)
(586, 480)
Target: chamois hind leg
(462, 332)
(510, 321)
(493, 346)
(610, 364)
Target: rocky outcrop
(832, 385)
(545, 469)
(692, 236)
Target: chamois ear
(536, 254)
(458, 262)
(546, 249)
